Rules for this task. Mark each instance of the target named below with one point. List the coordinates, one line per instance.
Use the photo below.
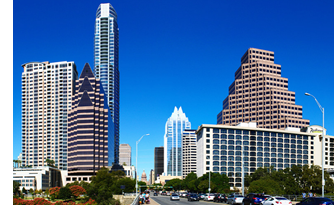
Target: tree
(140, 183)
(49, 162)
(266, 185)
(31, 191)
(129, 184)
(16, 187)
(19, 162)
(64, 193)
(191, 177)
(175, 183)
(101, 187)
(124, 164)
(218, 182)
(24, 190)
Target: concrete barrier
(125, 200)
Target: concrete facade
(47, 90)
(38, 177)
(227, 149)
(259, 94)
(189, 154)
(125, 154)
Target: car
(209, 196)
(276, 201)
(316, 201)
(174, 196)
(235, 199)
(254, 199)
(220, 198)
(184, 194)
(193, 197)
(164, 193)
(201, 196)
(155, 194)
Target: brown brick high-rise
(259, 94)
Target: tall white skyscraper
(47, 90)
(175, 125)
(106, 63)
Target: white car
(235, 199)
(209, 197)
(174, 196)
(277, 201)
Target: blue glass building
(106, 63)
(175, 125)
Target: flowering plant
(77, 190)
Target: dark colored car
(220, 198)
(201, 196)
(193, 197)
(155, 194)
(316, 201)
(253, 199)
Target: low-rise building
(37, 178)
(227, 149)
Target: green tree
(129, 184)
(186, 185)
(16, 187)
(218, 182)
(266, 185)
(31, 191)
(140, 183)
(175, 183)
(64, 193)
(49, 162)
(100, 188)
(24, 190)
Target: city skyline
(301, 43)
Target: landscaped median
(42, 201)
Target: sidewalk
(152, 202)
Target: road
(165, 200)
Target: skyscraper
(158, 161)
(106, 62)
(125, 154)
(47, 90)
(90, 128)
(259, 94)
(174, 127)
(189, 153)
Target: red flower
(77, 190)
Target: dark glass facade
(158, 161)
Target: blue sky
(180, 53)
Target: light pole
(137, 162)
(243, 171)
(323, 142)
(209, 181)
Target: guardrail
(135, 201)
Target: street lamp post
(209, 181)
(323, 143)
(137, 162)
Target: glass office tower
(106, 63)
(175, 125)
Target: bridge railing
(136, 200)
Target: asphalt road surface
(165, 200)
